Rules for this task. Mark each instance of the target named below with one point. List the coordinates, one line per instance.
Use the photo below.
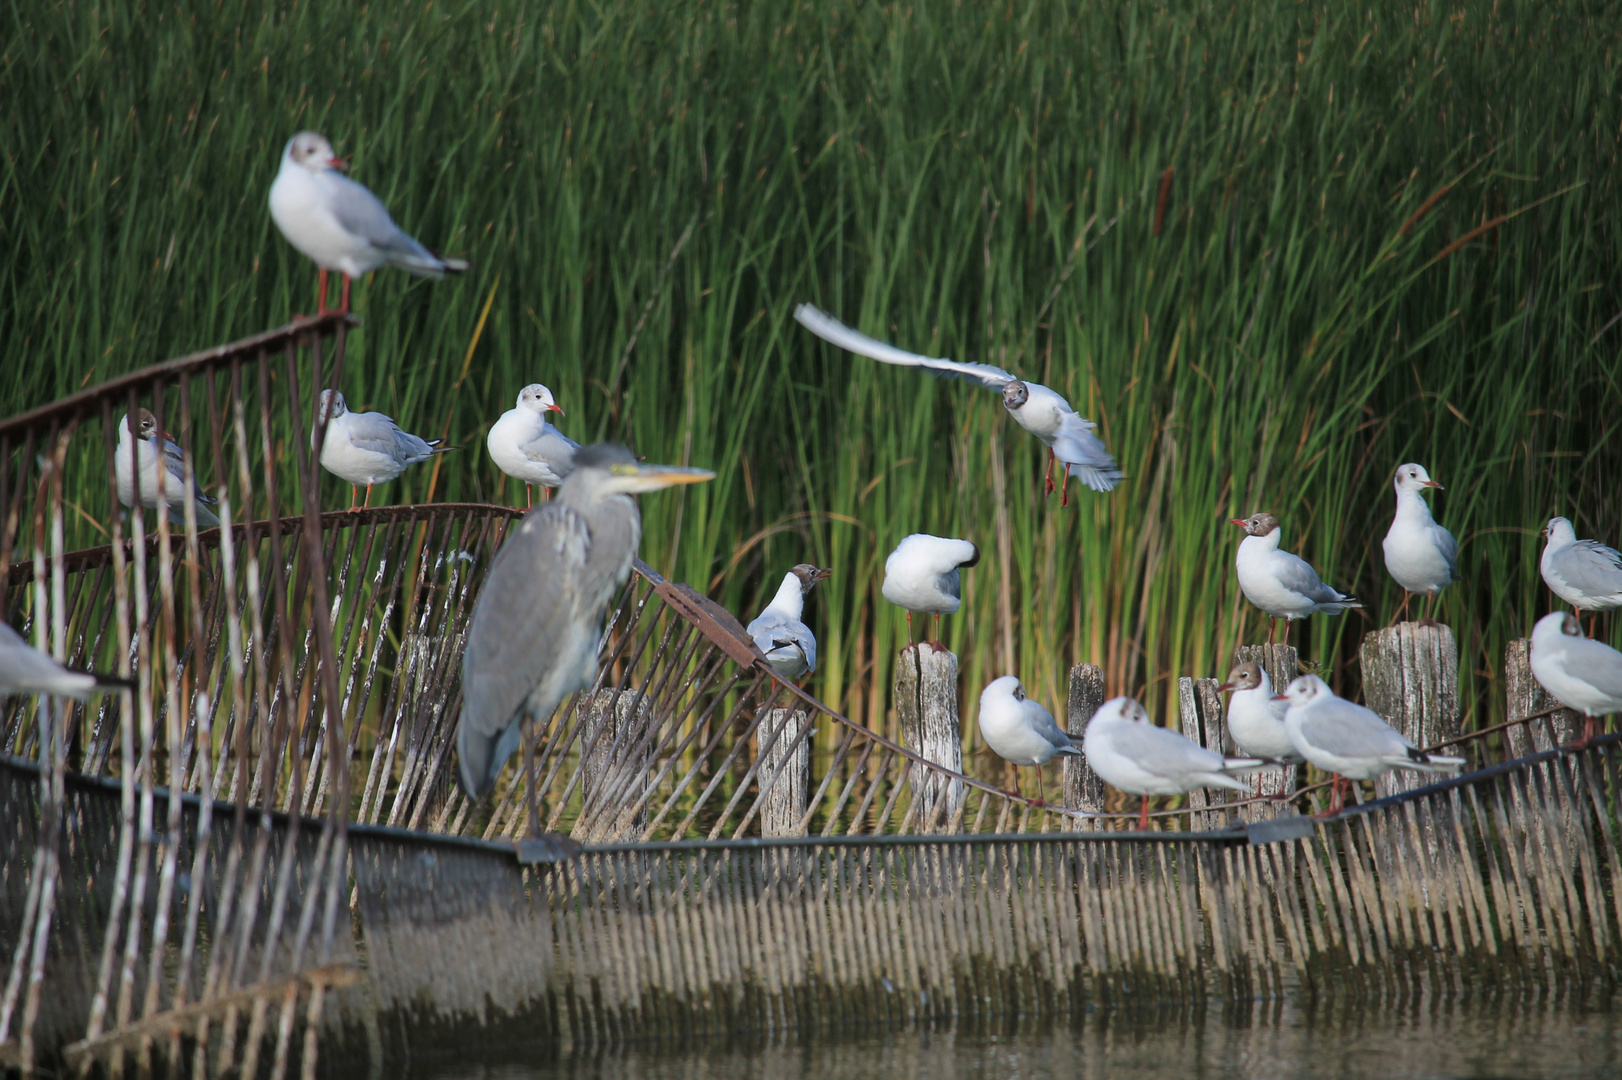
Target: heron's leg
(1064, 488)
(534, 814)
(321, 295)
(1143, 816)
(1047, 481)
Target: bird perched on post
(339, 223)
(1283, 585)
(1138, 756)
(1255, 716)
(537, 624)
(1584, 573)
(921, 575)
(135, 467)
(1043, 412)
(26, 670)
(788, 644)
(525, 446)
(1020, 730)
(1349, 741)
(1581, 673)
(368, 447)
(1421, 556)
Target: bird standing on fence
(1020, 730)
(1043, 412)
(537, 624)
(1421, 556)
(1283, 585)
(1348, 740)
(1584, 573)
(368, 447)
(921, 575)
(27, 670)
(788, 644)
(339, 223)
(525, 446)
(136, 462)
(1255, 717)
(1581, 673)
(1131, 752)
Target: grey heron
(340, 224)
(1283, 585)
(538, 622)
(1042, 411)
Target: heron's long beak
(655, 477)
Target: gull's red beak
(1225, 686)
(554, 407)
(822, 575)
(1434, 484)
(1280, 697)
(1237, 521)
(338, 162)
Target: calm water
(1266, 1041)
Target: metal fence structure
(260, 846)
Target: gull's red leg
(343, 308)
(1064, 488)
(321, 295)
(1047, 480)
(1143, 816)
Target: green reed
(1276, 326)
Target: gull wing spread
(831, 330)
(1084, 453)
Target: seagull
(921, 575)
(368, 447)
(140, 470)
(1255, 716)
(1584, 573)
(524, 445)
(339, 223)
(1581, 673)
(1422, 556)
(1283, 585)
(1019, 730)
(788, 644)
(1041, 411)
(1141, 758)
(1349, 741)
(27, 670)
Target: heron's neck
(790, 598)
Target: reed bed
(1275, 250)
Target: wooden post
(1200, 707)
(786, 799)
(1282, 666)
(1411, 678)
(1083, 789)
(614, 765)
(926, 705)
(1527, 696)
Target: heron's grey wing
(381, 435)
(1348, 730)
(1591, 568)
(833, 331)
(1165, 753)
(363, 214)
(527, 609)
(1297, 575)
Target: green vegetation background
(1389, 233)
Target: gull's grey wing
(549, 448)
(773, 631)
(1084, 453)
(381, 435)
(1448, 546)
(1590, 567)
(1595, 663)
(175, 460)
(26, 670)
(363, 214)
(1348, 730)
(1297, 575)
(1165, 753)
(1044, 724)
(834, 332)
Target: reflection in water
(1339, 1041)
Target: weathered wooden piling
(1282, 664)
(1411, 678)
(1527, 696)
(614, 765)
(785, 771)
(926, 706)
(1083, 789)
(1200, 708)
